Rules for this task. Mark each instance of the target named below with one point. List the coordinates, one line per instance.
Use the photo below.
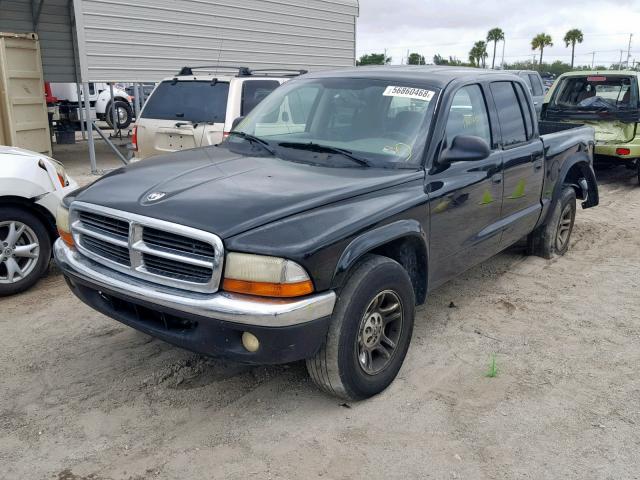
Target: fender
(582, 160)
(376, 238)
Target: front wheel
(554, 237)
(25, 250)
(370, 331)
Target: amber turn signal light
(264, 289)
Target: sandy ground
(84, 397)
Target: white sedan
(31, 188)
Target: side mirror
(236, 122)
(465, 148)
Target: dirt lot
(84, 397)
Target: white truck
(32, 186)
(68, 105)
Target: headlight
(62, 175)
(62, 223)
(265, 276)
(59, 168)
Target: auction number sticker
(409, 92)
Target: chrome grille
(171, 241)
(162, 252)
(115, 253)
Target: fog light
(250, 342)
(623, 151)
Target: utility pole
(503, 44)
(620, 63)
(593, 60)
(629, 49)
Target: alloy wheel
(379, 332)
(19, 251)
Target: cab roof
(438, 76)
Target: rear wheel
(554, 237)
(370, 331)
(25, 250)
(124, 114)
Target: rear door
(178, 115)
(523, 161)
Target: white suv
(189, 110)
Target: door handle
(497, 178)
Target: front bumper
(212, 324)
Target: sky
(451, 27)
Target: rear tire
(125, 114)
(554, 237)
(374, 314)
(25, 254)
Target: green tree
(495, 35)
(478, 54)
(416, 59)
(572, 37)
(374, 59)
(539, 42)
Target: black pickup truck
(331, 210)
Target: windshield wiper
(316, 147)
(253, 139)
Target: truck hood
(225, 193)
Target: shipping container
(23, 110)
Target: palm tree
(571, 38)
(539, 42)
(478, 54)
(495, 35)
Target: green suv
(607, 101)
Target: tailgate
(156, 137)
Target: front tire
(554, 237)
(370, 331)
(25, 250)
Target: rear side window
(525, 109)
(536, 85)
(195, 101)
(509, 113)
(254, 91)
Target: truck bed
(547, 127)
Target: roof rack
(244, 71)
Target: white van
(189, 110)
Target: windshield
(352, 120)
(596, 93)
(194, 101)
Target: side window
(536, 85)
(527, 80)
(254, 91)
(511, 121)
(468, 115)
(525, 108)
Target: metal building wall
(146, 40)
(51, 20)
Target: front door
(466, 197)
